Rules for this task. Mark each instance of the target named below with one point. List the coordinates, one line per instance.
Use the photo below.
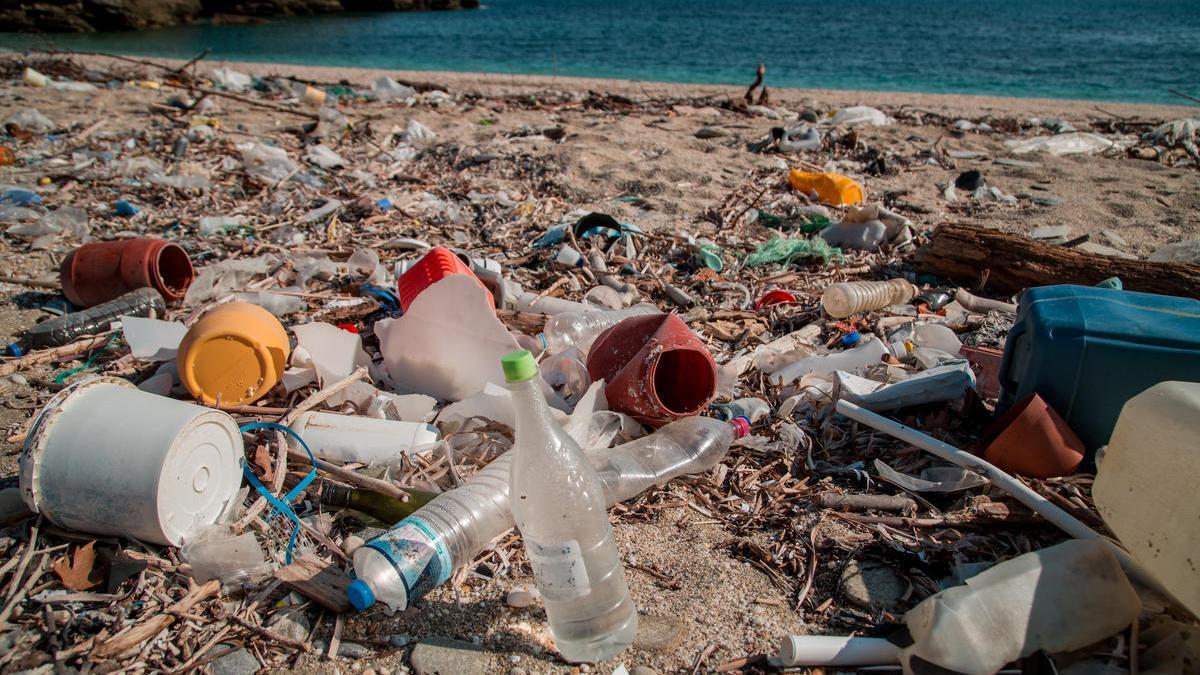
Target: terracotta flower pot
(1032, 440)
(101, 271)
(656, 368)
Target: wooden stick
(53, 353)
(1180, 94)
(961, 251)
(248, 101)
(895, 503)
(130, 638)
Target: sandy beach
(629, 149)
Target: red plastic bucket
(99, 272)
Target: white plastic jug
(1145, 487)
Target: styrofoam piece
(832, 650)
(152, 339)
(449, 343)
(105, 458)
(349, 438)
(333, 352)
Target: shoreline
(492, 83)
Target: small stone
(18, 379)
(1051, 232)
(711, 132)
(353, 650)
(399, 640)
(520, 598)
(643, 670)
(873, 585)
(516, 671)
(237, 662)
(585, 668)
(351, 544)
(1100, 249)
(514, 658)
(369, 671)
(291, 624)
(659, 633)
(443, 656)
(1046, 201)
(1114, 238)
(809, 116)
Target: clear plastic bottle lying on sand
(851, 297)
(419, 553)
(580, 329)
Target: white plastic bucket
(105, 458)
(346, 438)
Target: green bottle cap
(518, 366)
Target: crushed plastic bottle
(852, 297)
(420, 552)
(580, 329)
(868, 352)
(387, 89)
(752, 409)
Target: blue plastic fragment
(125, 209)
(20, 197)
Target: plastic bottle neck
(741, 427)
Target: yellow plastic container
(233, 355)
(832, 188)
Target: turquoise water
(1129, 50)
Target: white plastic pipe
(1021, 492)
(830, 650)
(982, 305)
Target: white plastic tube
(982, 305)
(831, 650)
(350, 438)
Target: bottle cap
(518, 366)
(360, 594)
(742, 425)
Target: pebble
(873, 585)
(237, 662)
(659, 633)
(399, 640)
(351, 544)
(643, 670)
(516, 671)
(442, 655)
(520, 598)
(369, 671)
(808, 116)
(1047, 201)
(1100, 249)
(291, 624)
(18, 379)
(711, 132)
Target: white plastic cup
(106, 458)
(346, 438)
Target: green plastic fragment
(787, 251)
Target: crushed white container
(1145, 485)
(346, 438)
(106, 458)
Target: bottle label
(559, 569)
(419, 555)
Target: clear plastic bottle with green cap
(559, 506)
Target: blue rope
(282, 507)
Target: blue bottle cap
(14, 349)
(360, 594)
(851, 339)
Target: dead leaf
(76, 573)
(262, 459)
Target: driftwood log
(965, 253)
